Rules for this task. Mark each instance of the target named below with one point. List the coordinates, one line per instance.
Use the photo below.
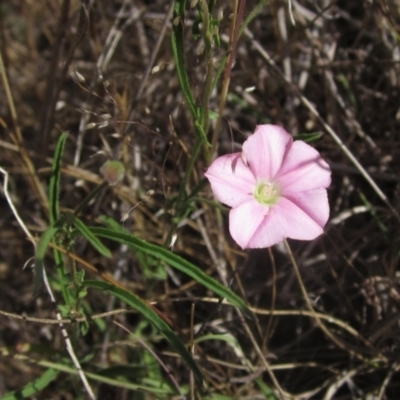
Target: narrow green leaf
(341, 78)
(253, 13)
(151, 315)
(177, 41)
(41, 248)
(159, 389)
(33, 387)
(64, 282)
(88, 234)
(375, 216)
(266, 390)
(218, 73)
(201, 133)
(216, 396)
(225, 337)
(178, 263)
(54, 185)
(308, 137)
(152, 267)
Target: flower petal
(266, 149)
(245, 220)
(314, 203)
(270, 232)
(299, 223)
(303, 169)
(231, 180)
(286, 220)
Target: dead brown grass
(89, 71)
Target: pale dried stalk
(318, 320)
(18, 140)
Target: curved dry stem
(316, 317)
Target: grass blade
(178, 263)
(41, 248)
(54, 186)
(155, 388)
(88, 234)
(151, 315)
(308, 137)
(177, 41)
(33, 387)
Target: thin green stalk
(90, 196)
(253, 13)
(208, 38)
(236, 22)
(237, 29)
(182, 189)
(177, 42)
(58, 258)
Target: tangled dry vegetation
(105, 73)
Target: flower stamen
(267, 193)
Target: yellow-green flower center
(267, 193)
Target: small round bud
(113, 172)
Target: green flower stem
(58, 258)
(204, 115)
(237, 29)
(236, 22)
(182, 190)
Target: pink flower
(276, 188)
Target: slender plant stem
(317, 319)
(273, 297)
(90, 196)
(208, 38)
(282, 394)
(236, 22)
(182, 189)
